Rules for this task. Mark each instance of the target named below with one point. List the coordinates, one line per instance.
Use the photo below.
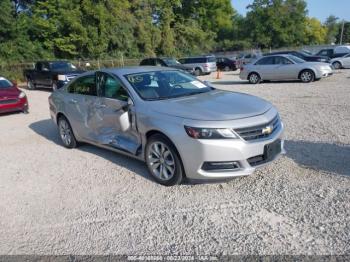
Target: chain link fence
(14, 71)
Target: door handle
(73, 101)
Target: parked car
(203, 65)
(338, 51)
(12, 99)
(284, 67)
(247, 59)
(226, 64)
(341, 62)
(50, 74)
(167, 62)
(181, 127)
(302, 55)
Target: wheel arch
(153, 132)
(307, 69)
(253, 72)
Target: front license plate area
(272, 150)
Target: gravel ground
(92, 201)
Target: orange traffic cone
(218, 74)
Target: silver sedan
(284, 67)
(341, 62)
(180, 126)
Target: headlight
(21, 95)
(210, 133)
(61, 78)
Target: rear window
(5, 83)
(211, 59)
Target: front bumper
(195, 153)
(325, 73)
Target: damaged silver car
(181, 127)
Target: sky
(320, 9)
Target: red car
(11, 98)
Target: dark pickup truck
(50, 74)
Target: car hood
(317, 64)
(75, 72)
(213, 106)
(9, 92)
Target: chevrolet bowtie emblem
(267, 130)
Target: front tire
(307, 76)
(66, 133)
(198, 72)
(163, 161)
(254, 78)
(54, 86)
(337, 65)
(227, 68)
(30, 84)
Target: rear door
(265, 67)
(80, 103)
(113, 106)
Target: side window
(84, 86)
(160, 63)
(280, 60)
(111, 87)
(266, 61)
(39, 66)
(45, 67)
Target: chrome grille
(256, 132)
(8, 101)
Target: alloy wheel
(306, 76)
(254, 78)
(161, 161)
(337, 65)
(65, 132)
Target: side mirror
(124, 119)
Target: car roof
(120, 71)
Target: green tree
(332, 24)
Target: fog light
(211, 166)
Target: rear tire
(66, 133)
(307, 76)
(198, 72)
(254, 78)
(337, 65)
(163, 161)
(227, 68)
(30, 84)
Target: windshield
(165, 85)
(296, 59)
(62, 66)
(171, 61)
(5, 83)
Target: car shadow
(47, 129)
(332, 158)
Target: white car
(341, 62)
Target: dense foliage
(33, 29)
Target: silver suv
(180, 126)
(203, 65)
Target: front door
(113, 106)
(79, 104)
